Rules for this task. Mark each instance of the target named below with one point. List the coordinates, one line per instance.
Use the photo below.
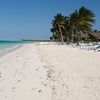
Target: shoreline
(82, 46)
(9, 50)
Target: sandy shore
(50, 72)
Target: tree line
(73, 28)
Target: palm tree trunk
(62, 39)
(72, 38)
(67, 39)
(78, 37)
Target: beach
(49, 71)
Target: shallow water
(7, 46)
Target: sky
(31, 19)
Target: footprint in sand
(0, 74)
(13, 89)
(39, 90)
(19, 80)
(36, 69)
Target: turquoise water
(6, 46)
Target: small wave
(10, 49)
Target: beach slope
(47, 71)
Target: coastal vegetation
(73, 28)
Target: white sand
(50, 72)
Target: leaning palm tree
(58, 25)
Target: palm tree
(58, 25)
(73, 24)
(72, 27)
(81, 21)
(67, 29)
(85, 20)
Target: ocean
(7, 46)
